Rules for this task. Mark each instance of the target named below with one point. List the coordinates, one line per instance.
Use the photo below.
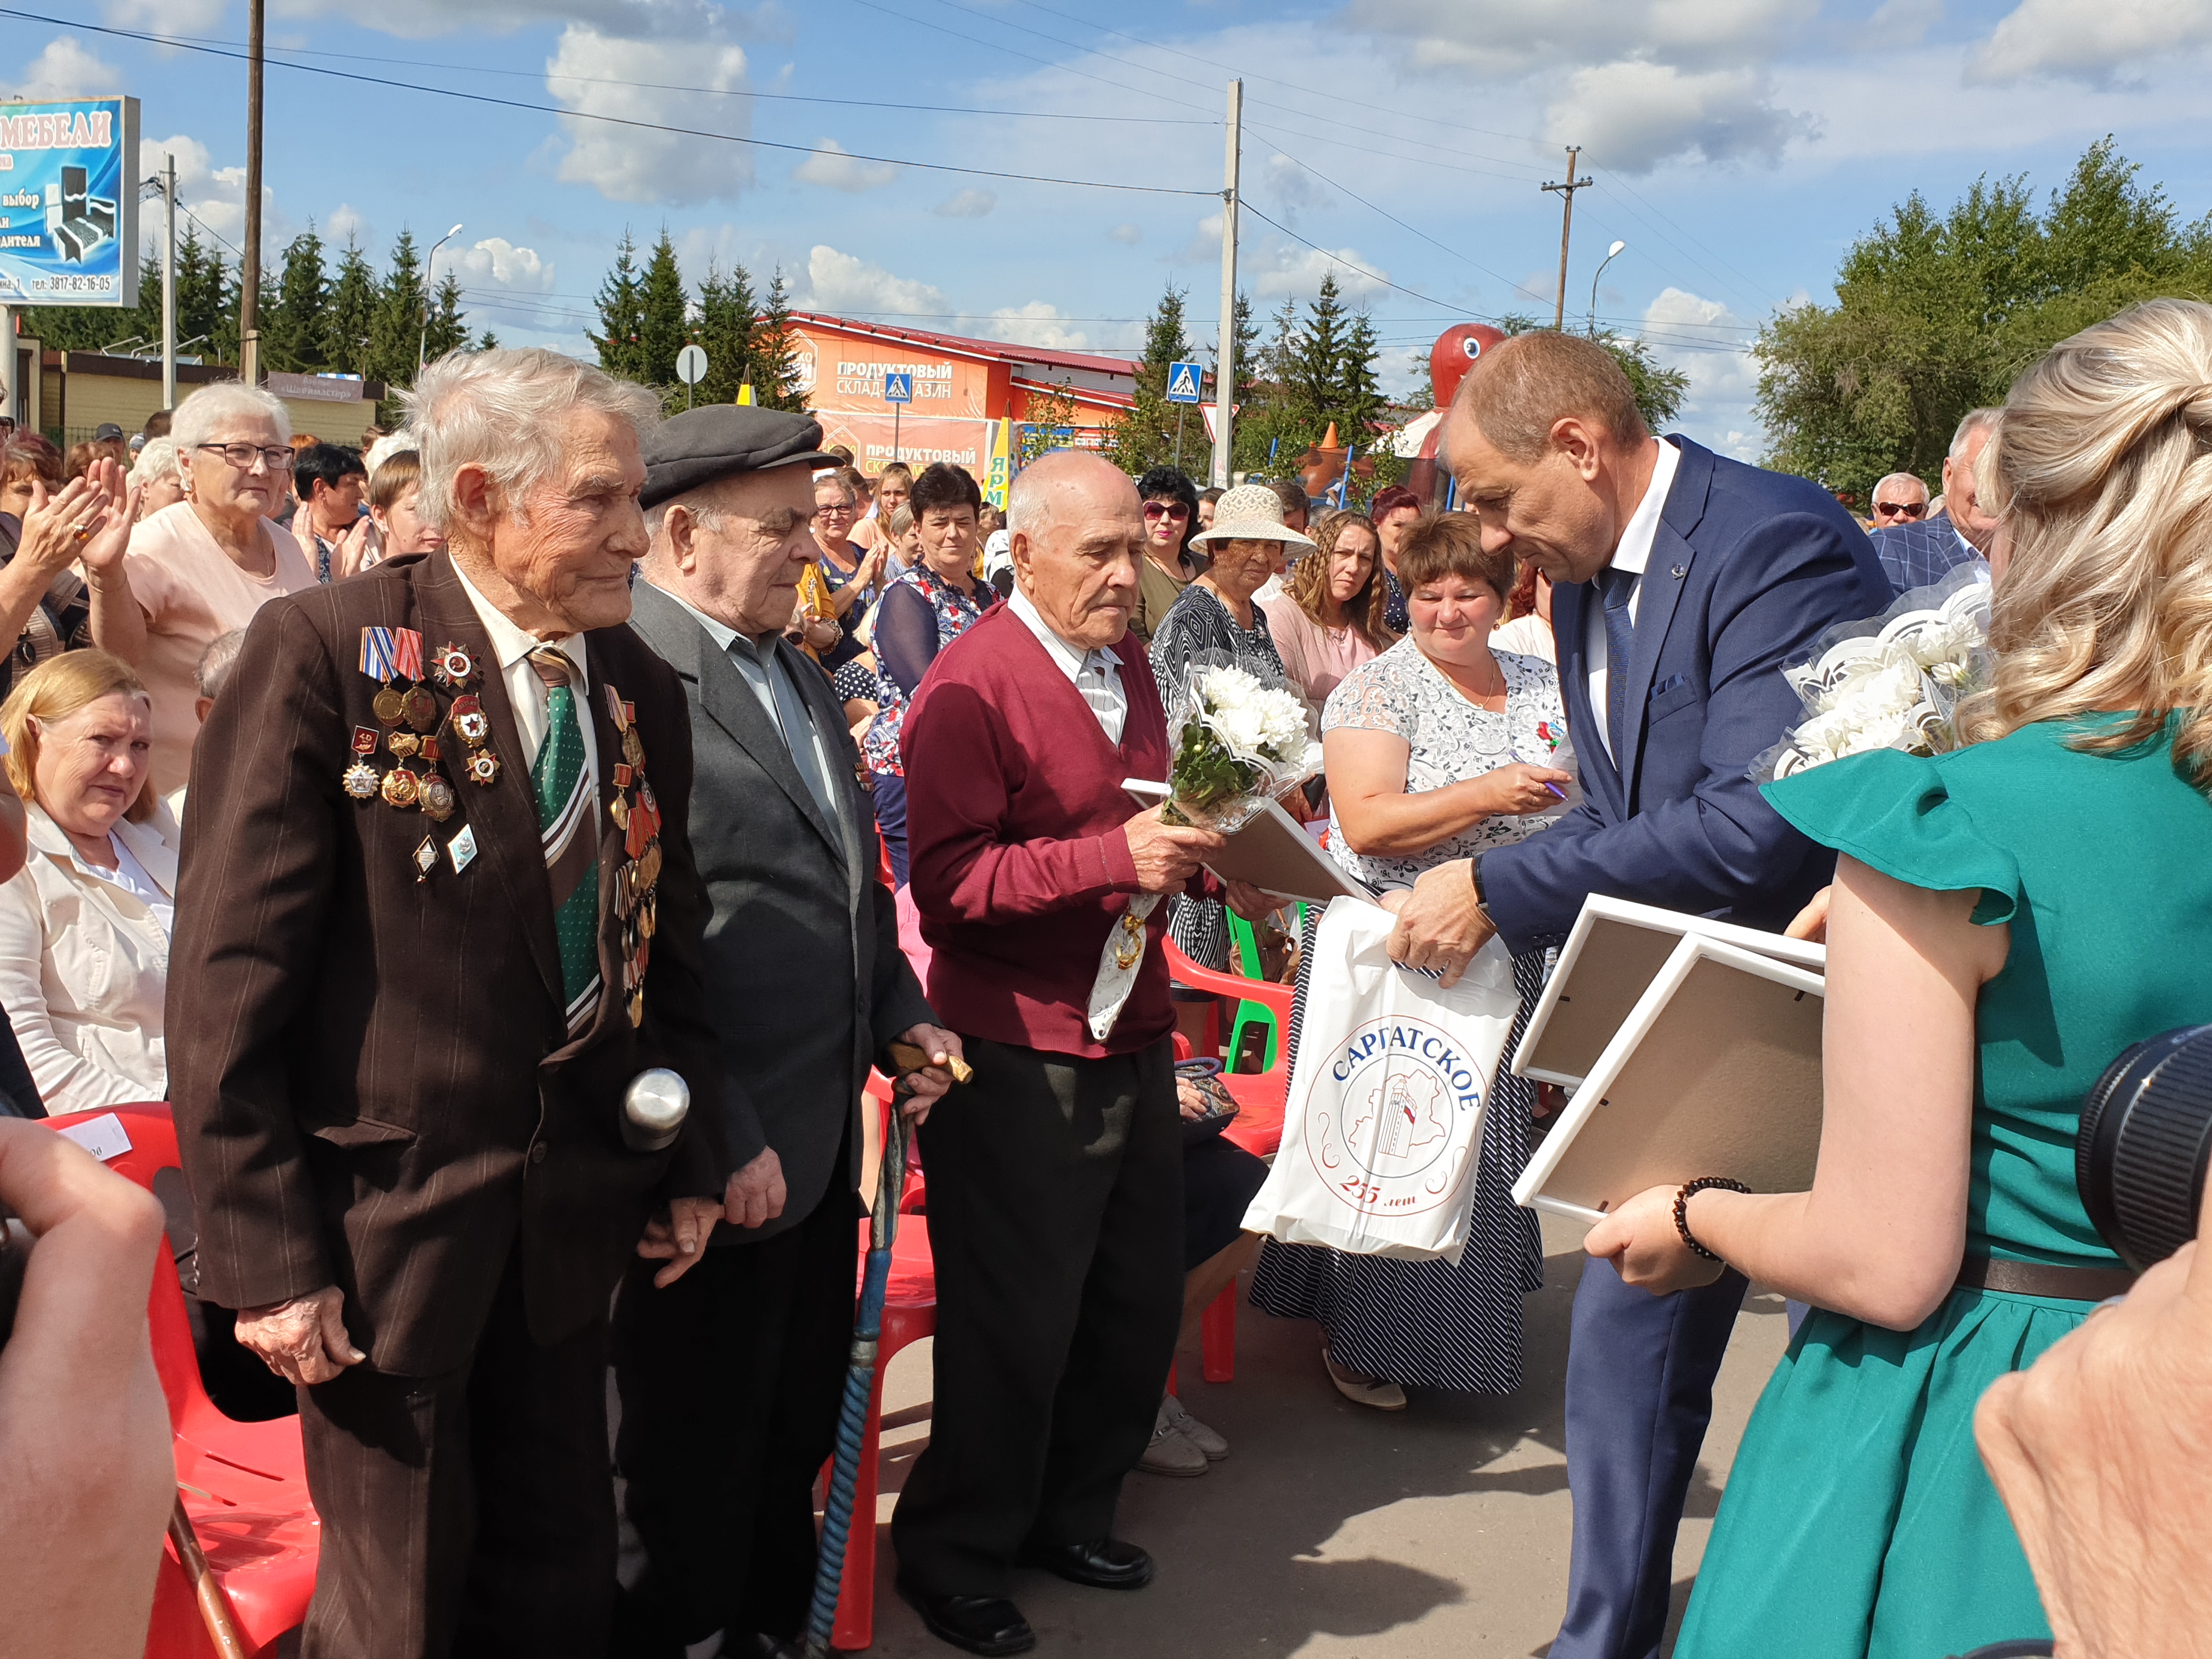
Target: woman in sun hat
(1215, 614)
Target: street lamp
(1610, 254)
(422, 343)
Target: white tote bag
(1383, 1125)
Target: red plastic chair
(245, 1485)
(1260, 1098)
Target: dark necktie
(566, 822)
(1616, 586)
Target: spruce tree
(446, 331)
(205, 312)
(396, 324)
(1317, 358)
(775, 362)
(662, 325)
(349, 313)
(1145, 436)
(724, 330)
(622, 316)
(292, 326)
(1358, 398)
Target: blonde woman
(1329, 618)
(84, 925)
(1983, 970)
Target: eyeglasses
(241, 456)
(835, 510)
(1155, 511)
(1902, 509)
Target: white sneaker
(1362, 1390)
(1169, 1452)
(1192, 1430)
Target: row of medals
(636, 813)
(408, 723)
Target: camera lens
(2145, 1133)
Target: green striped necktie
(565, 822)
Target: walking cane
(215, 1612)
(859, 1383)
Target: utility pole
(168, 282)
(249, 274)
(1566, 223)
(1224, 364)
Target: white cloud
(1289, 183)
(839, 281)
(497, 260)
(1037, 323)
(347, 222)
(1903, 22)
(1639, 114)
(1129, 235)
(168, 16)
(66, 70)
(967, 204)
(834, 168)
(2088, 40)
(1710, 344)
(1504, 37)
(632, 164)
(1270, 269)
(694, 20)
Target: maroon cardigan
(1020, 868)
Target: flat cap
(701, 444)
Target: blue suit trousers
(1640, 1372)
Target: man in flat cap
(731, 1379)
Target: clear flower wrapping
(1240, 742)
(1892, 682)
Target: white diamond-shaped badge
(462, 848)
(426, 859)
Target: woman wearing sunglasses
(201, 568)
(1170, 501)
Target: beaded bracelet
(1682, 1208)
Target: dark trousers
(1055, 1215)
(1640, 1372)
(888, 796)
(470, 1513)
(729, 1381)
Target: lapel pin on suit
(1680, 571)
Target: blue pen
(1553, 787)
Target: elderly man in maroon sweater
(1056, 1177)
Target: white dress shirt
(1633, 554)
(510, 647)
(1096, 674)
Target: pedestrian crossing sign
(1183, 382)
(898, 388)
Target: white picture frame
(1274, 852)
(1610, 959)
(1715, 1071)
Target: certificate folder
(1610, 959)
(1274, 853)
(1714, 1070)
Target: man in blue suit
(1915, 555)
(1682, 582)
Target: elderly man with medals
(438, 997)
(731, 1382)
(1055, 1176)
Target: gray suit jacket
(806, 982)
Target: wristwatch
(1481, 897)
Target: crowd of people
(389, 809)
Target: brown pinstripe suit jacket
(372, 1081)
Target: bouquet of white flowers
(1892, 682)
(1242, 742)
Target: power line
(1371, 276)
(1395, 220)
(612, 120)
(710, 92)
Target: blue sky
(1738, 146)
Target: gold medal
(632, 747)
(360, 780)
(648, 868)
(405, 745)
(637, 1008)
(618, 810)
(649, 916)
(420, 708)
(400, 787)
(388, 704)
(436, 798)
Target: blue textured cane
(860, 1383)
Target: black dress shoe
(988, 1624)
(1102, 1564)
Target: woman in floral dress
(1437, 749)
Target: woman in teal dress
(2006, 919)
